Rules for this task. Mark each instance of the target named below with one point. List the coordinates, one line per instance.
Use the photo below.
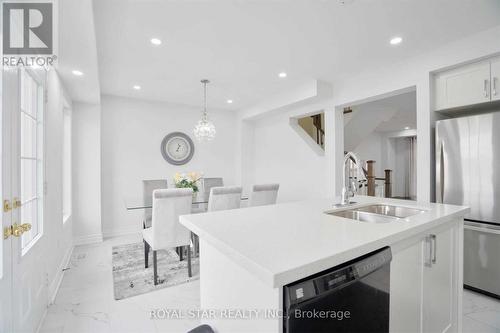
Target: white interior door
(29, 275)
(24, 279)
(6, 216)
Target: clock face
(177, 148)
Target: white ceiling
(78, 50)
(242, 45)
(405, 116)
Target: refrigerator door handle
(440, 173)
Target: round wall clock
(177, 148)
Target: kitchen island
(248, 255)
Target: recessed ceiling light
(77, 72)
(155, 41)
(137, 87)
(396, 40)
(282, 74)
(407, 128)
(229, 101)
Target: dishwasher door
(353, 297)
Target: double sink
(377, 213)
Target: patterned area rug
(130, 278)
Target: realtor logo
(27, 28)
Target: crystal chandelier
(205, 129)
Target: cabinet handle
(428, 251)
(486, 88)
(433, 249)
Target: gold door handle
(16, 203)
(18, 230)
(7, 207)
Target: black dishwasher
(352, 297)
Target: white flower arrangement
(188, 180)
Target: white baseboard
(88, 239)
(121, 232)
(56, 282)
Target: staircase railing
(370, 182)
(320, 132)
(371, 179)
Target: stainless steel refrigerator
(468, 173)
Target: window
(31, 157)
(66, 164)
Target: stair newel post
(370, 178)
(388, 183)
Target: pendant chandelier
(205, 129)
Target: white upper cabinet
(466, 85)
(495, 79)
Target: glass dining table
(137, 203)
(200, 202)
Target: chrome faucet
(349, 188)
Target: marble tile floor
(85, 303)
(481, 314)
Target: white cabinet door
(463, 86)
(495, 79)
(438, 282)
(406, 289)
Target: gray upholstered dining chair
(265, 194)
(166, 231)
(148, 187)
(224, 198)
(204, 194)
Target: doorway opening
(383, 135)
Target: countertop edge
(278, 280)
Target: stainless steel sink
(377, 213)
(389, 210)
(354, 214)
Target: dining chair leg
(189, 261)
(155, 269)
(181, 252)
(146, 254)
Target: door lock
(16, 203)
(7, 207)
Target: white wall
(372, 148)
(280, 155)
(86, 132)
(57, 239)
(131, 133)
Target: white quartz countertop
(286, 242)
